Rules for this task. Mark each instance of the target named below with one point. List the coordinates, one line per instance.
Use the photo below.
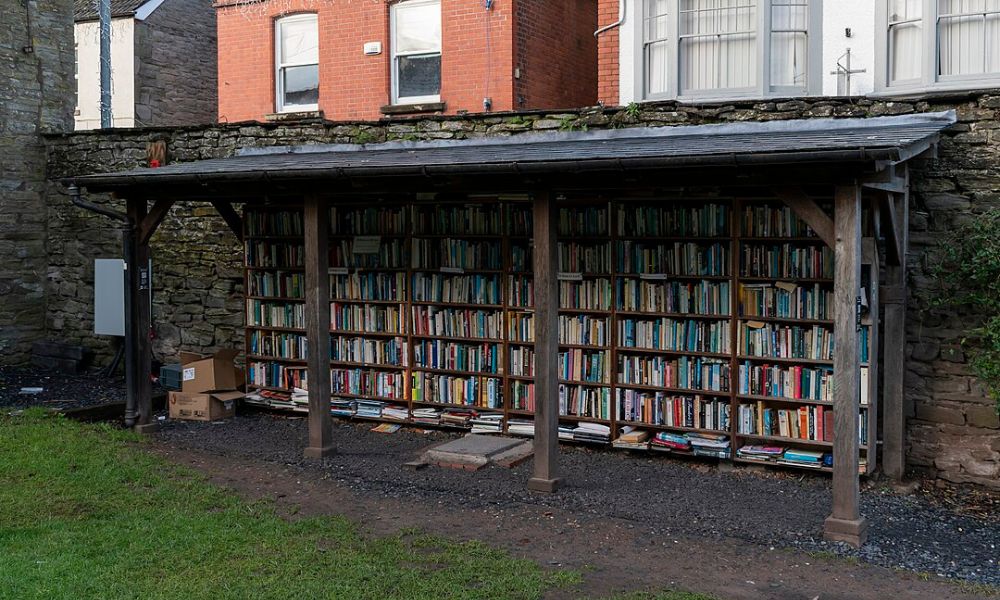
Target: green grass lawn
(85, 513)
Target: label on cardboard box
(188, 374)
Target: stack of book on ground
(764, 454)
(715, 445)
(566, 432)
(300, 400)
(457, 417)
(632, 439)
(521, 427)
(487, 423)
(593, 433)
(343, 407)
(804, 458)
(427, 416)
(370, 409)
(395, 412)
(670, 442)
(256, 399)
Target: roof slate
(86, 10)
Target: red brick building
(361, 59)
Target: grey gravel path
(663, 495)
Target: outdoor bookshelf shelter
(736, 290)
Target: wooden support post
(546, 253)
(871, 257)
(139, 354)
(894, 360)
(846, 524)
(318, 326)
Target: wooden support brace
(148, 225)
(546, 257)
(230, 216)
(894, 235)
(808, 211)
(845, 523)
(139, 355)
(887, 180)
(317, 296)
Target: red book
(827, 425)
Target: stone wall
(175, 65)
(36, 95)
(953, 428)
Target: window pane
(299, 41)
(656, 32)
(905, 51)
(301, 85)
(902, 10)
(418, 28)
(789, 43)
(718, 46)
(418, 75)
(969, 31)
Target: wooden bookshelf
(676, 316)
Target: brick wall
(175, 77)
(607, 53)
(352, 85)
(36, 95)
(556, 53)
(953, 430)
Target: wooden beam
(894, 233)
(808, 211)
(230, 216)
(546, 259)
(894, 359)
(148, 225)
(886, 180)
(870, 258)
(317, 309)
(138, 348)
(845, 523)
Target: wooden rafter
(230, 216)
(149, 223)
(810, 212)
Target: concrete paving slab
(473, 452)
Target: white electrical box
(109, 296)
(373, 48)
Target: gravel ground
(60, 390)
(665, 496)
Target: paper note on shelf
(366, 244)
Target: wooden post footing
(146, 428)
(548, 486)
(853, 532)
(318, 453)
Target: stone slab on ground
(474, 452)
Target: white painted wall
(838, 15)
(88, 81)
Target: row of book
(757, 338)
(459, 254)
(368, 382)
(278, 284)
(266, 222)
(368, 220)
(693, 443)
(276, 375)
(677, 258)
(584, 220)
(522, 361)
(585, 401)
(780, 261)
(588, 294)
(290, 346)
(464, 289)
(458, 219)
(673, 220)
(355, 253)
(372, 286)
(781, 455)
(588, 366)
(678, 335)
(276, 314)
(382, 318)
(369, 351)
(268, 254)
(764, 220)
(672, 410)
(701, 297)
(594, 433)
(783, 381)
(454, 322)
(582, 330)
(684, 372)
(814, 423)
(786, 300)
(486, 392)
(440, 354)
(584, 258)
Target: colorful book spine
(276, 314)
(585, 366)
(379, 318)
(349, 254)
(778, 261)
(277, 284)
(268, 254)
(706, 220)
(773, 221)
(771, 340)
(459, 219)
(521, 327)
(264, 222)
(583, 330)
(585, 401)
(367, 220)
(588, 220)
(461, 289)
(484, 392)
(701, 297)
(673, 410)
(522, 395)
(456, 254)
(782, 381)
(381, 287)
(678, 258)
(278, 345)
(522, 361)
(584, 258)
(368, 382)
(678, 335)
(440, 354)
(385, 352)
(685, 372)
(453, 322)
(275, 375)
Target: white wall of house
(88, 79)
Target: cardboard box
(209, 373)
(203, 407)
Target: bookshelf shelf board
(676, 238)
(668, 277)
(372, 366)
(754, 279)
(673, 390)
(644, 425)
(351, 236)
(457, 372)
(456, 271)
(583, 311)
(386, 399)
(785, 440)
(268, 388)
(380, 334)
(828, 322)
(584, 383)
(277, 359)
(463, 406)
(584, 346)
(285, 238)
(670, 315)
(784, 400)
(567, 418)
(801, 239)
(576, 276)
(270, 328)
(333, 270)
(378, 302)
(453, 338)
(520, 343)
(459, 236)
(631, 349)
(457, 304)
(256, 268)
(805, 361)
(276, 299)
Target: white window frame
(763, 88)
(279, 66)
(930, 79)
(396, 98)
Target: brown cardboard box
(203, 407)
(208, 373)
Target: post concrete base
(318, 453)
(146, 428)
(854, 533)
(548, 486)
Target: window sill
(409, 109)
(285, 117)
